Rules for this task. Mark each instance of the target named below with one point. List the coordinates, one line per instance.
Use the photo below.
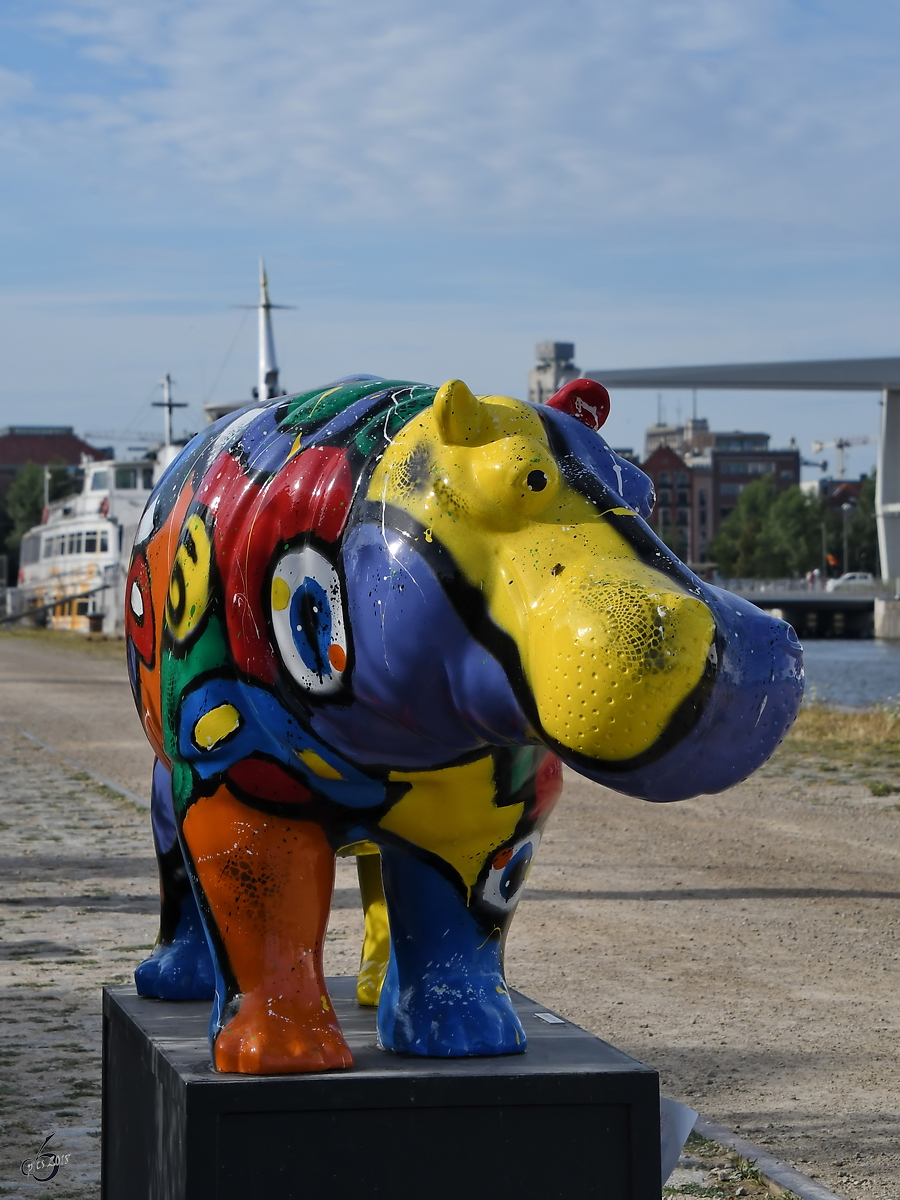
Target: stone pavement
(78, 910)
(77, 907)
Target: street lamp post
(846, 509)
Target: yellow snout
(610, 658)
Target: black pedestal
(572, 1118)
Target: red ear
(585, 399)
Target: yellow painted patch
(281, 594)
(376, 950)
(452, 814)
(319, 766)
(216, 725)
(188, 596)
(356, 848)
(610, 646)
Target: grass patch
(694, 1189)
(852, 746)
(78, 643)
(882, 789)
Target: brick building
(675, 502)
(43, 445)
(714, 468)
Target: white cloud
(480, 115)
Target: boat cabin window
(30, 550)
(100, 481)
(88, 542)
(134, 477)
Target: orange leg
(268, 882)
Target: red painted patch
(547, 786)
(268, 781)
(584, 399)
(310, 494)
(140, 625)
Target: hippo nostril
(537, 481)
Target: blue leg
(444, 994)
(181, 966)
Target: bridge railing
(781, 587)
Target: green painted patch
(323, 403)
(208, 653)
(380, 428)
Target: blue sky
(436, 188)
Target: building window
(683, 498)
(666, 516)
(731, 489)
(664, 479)
(682, 479)
(747, 468)
(683, 516)
(664, 499)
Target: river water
(855, 672)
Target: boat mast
(267, 385)
(168, 404)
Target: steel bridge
(823, 375)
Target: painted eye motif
(508, 873)
(308, 620)
(536, 481)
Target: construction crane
(840, 445)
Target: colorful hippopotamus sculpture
(376, 619)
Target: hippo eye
(536, 481)
(508, 872)
(308, 620)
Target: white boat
(73, 566)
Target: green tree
(734, 546)
(790, 540)
(24, 503)
(861, 531)
(770, 533)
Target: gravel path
(747, 945)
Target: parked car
(851, 579)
